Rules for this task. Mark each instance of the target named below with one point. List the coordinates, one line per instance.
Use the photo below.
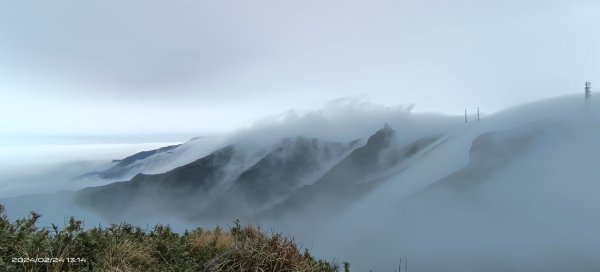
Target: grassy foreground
(124, 248)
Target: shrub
(125, 248)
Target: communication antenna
(478, 114)
(588, 91)
(403, 265)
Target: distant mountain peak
(142, 155)
(382, 137)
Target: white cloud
(236, 61)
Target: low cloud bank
(534, 209)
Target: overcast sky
(110, 67)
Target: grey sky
(110, 66)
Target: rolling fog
(31, 167)
(516, 191)
(537, 212)
(40, 166)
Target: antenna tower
(588, 91)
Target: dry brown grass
(125, 248)
(218, 239)
(126, 256)
(256, 251)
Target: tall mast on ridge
(588, 91)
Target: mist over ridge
(413, 135)
(514, 191)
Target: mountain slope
(242, 172)
(173, 190)
(354, 176)
(130, 163)
(159, 160)
(290, 164)
(490, 152)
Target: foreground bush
(124, 248)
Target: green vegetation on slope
(125, 248)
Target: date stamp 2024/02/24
(47, 260)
